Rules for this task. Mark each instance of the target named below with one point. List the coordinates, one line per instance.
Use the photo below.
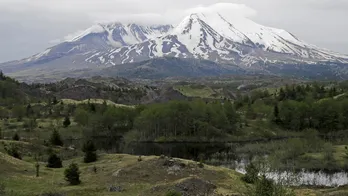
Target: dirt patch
(164, 170)
(195, 186)
(187, 187)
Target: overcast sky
(30, 26)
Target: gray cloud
(30, 26)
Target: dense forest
(293, 107)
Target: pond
(220, 154)
(300, 178)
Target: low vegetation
(68, 147)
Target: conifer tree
(90, 152)
(66, 122)
(55, 139)
(72, 174)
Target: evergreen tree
(66, 122)
(72, 174)
(29, 110)
(231, 115)
(37, 169)
(90, 152)
(16, 137)
(281, 95)
(276, 114)
(54, 161)
(55, 101)
(92, 107)
(55, 139)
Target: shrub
(267, 187)
(2, 189)
(200, 164)
(295, 148)
(173, 193)
(16, 137)
(140, 159)
(251, 175)
(66, 122)
(264, 187)
(90, 152)
(72, 174)
(55, 139)
(54, 161)
(30, 124)
(13, 151)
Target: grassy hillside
(151, 176)
(95, 101)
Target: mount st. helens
(72, 53)
(236, 42)
(212, 37)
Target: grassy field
(149, 177)
(96, 101)
(201, 91)
(136, 178)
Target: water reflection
(302, 178)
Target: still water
(302, 178)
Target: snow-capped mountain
(99, 37)
(236, 41)
(212, 37)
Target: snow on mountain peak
(201, 35)
(118, 34)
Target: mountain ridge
(237, 41)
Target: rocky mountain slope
(237, 42)
(213, 38)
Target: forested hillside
(299, 125)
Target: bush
(267, 187)
(295, 148)
(264, 187)
(13, 151)
(18, 112)
(72, 174)
(81, 117)
(16, 137)
(251, 175)
(54, 161)
(90, 152)
(30, 124)
(2, 189)
(66, 122)
(173, 193)
(55, 139)
(52, 194)
(140, 159)
(200, 164)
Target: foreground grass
(136, 178)
(148, 178)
